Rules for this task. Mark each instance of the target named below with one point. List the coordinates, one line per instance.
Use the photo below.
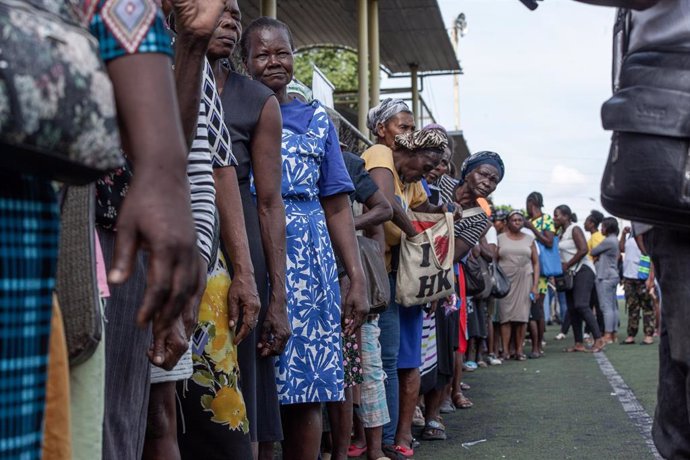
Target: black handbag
(647, 175)
(499, 281)
(564, 282)
(474, 281)
(57, 109)
(378, 286)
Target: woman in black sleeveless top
(252, 115)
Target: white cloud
(565, 176)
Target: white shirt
(631, 259)
(567, 249)
(491, 236)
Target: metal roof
(411, 31)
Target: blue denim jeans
(389, 323)
(608, 302)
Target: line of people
(229, 238)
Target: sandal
(391, 453)
(598, 346)
(575, 350)
(356, 451)
(461, 402)
(535, 355)
(521, 357)
(404, 451)
(447, 406)
(464, 386)
(434, 431)
(418, 417)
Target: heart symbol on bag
(441, 246)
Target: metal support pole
(269, 8)
(374, 54)
(456, 81)
(415, 94)
(363, 65)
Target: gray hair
(386, 110)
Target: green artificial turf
(557, 407)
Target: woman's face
(500, 226)
(415, 166)
(401, 123)
(482, 181)
(227, 33)
(589, 225)
(559, 218)
(270, 59)
(440, 170)
(529, 206)
(515, 223)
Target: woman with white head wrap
(388, 119)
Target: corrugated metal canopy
(411, 31)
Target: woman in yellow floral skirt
(212, 403)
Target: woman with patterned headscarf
(398, 171)
(479, 176)
(388, 119)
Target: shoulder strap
(471, 212)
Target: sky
(532, 90)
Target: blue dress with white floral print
(310, 369)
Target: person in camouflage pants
(638, 302)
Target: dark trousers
(670, 251)
(579, 306)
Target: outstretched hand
(197, 17)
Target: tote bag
(549, 258)
(425, 272)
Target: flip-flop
(356, 451)
(575, 350)
(625, 342)
(464, 386)
(646, 343)
(404, 451)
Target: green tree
(339, 66)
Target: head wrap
(386, 110)
(299, 88)
(482, 158)
(424, 139)
(515, 211)
(500, 215)
(436, 126)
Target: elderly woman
(315, 188)
(518, 257)
(572, 247)
(479, 176)
(388, 119)
(606, 255)
(252, 116)
(398, 173)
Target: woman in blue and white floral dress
(315, 188)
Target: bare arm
(341, 228)
(242, 293)
(384, 180)
(581, 245)
(267, 166)
(536, 269)
(461, 246)
(156, 213)
(378, 212)
(488, 251)
(623, 238)
(194, 24)
(545, 237)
